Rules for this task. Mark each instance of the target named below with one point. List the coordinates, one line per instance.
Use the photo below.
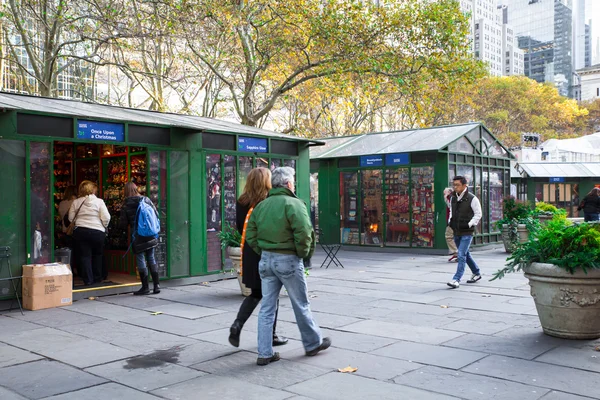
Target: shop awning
(408, 141)
(78, 109)
(558, 170)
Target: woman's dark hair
(462, 179)
(70, 192)
(131, 190)
(594, 192)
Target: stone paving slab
(187, 311)
(325, 320)
(562, 379)
(220, 387)
(11, 326)
(86, 352)
(411, 318)
(419, 334)
(490, 316)
(335, 386)
(175, 325)
(39, 379)
(248, 340)
(107, 391)
(587, 359)
(129, 337)
(480, 327)
(144, 373)
(432, 355)
(10, 355)
(147, 303)
(526, 348)
(554, 395)
(106, 310)
(55, 317)
(469, 386)
(6, 394)
(38, 340)
(416, 308)
(242, 366)
(369, 365)
(194, 353)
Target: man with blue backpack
(141, 215)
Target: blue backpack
(147, 222)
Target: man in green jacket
(281, 232)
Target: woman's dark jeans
(90, 248)
(589, 217)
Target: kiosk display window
(372, 207)
(397, 199)
(39, 155)
(423, 207)
(349, 208)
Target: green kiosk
(192, 168)
(386, 189)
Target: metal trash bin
(63, 255)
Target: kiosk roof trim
(78, 109)
(407, 141)
(565, 170)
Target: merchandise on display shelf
(423, 206)
(114, 173)
(397, 198)
(349, 207)
(229, 186)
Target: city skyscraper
(493, 38)
(544, 29)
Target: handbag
(71, 227)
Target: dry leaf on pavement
(347, 369)
(156, 313)
(443, 306)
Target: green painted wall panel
(13, 215)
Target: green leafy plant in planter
(229, 237)
(562, 264)
(514, 213)
(562, 243)
(548, 211)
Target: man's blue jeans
(464, 256)
(287, 270)
(141, 260)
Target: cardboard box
(47, 286)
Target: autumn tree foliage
(509, 106)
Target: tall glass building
(544, 29)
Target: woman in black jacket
(591, 206)
(143, 247)
(256, 190)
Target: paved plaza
(390, 315)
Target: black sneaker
(324, 346)
(266, 361)
(474, 278)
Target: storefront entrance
(55, 166)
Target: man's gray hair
(281, 176)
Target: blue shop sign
(371, 161)
(94, 130)
(252, 145)
(396, 159)
(557, 179)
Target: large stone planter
(568, 305)
(544, 219)
(235, 255)
(522, 236)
